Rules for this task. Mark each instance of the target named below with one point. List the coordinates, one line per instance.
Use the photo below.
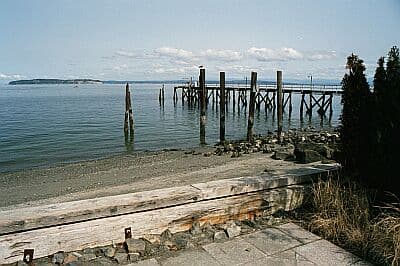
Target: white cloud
(11, 76)
(125, 53)
(120, 67)
(268, 54)
(223, 55)
(322, 55)
(174, 53)
(167, 69)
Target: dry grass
(342, 213)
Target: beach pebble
(220, 236)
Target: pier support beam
(203, 96)
(128, 111)
(250, 122)
(280, 104)
(222, 107)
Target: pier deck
(318, 95)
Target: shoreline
(120, 174)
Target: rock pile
(165, 244)
(303, 146)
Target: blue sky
(145, 40)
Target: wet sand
(130, 173)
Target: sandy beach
(130, 173)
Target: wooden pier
(313, 97)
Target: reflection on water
(47, 124)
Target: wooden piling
(280, 104)
(163, 93)
(250, 121)
(202, 84)
(222, 107)
(128, 111)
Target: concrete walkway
(286, 244)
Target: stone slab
(234, 252)
(271, 241)
(323, 252)
(190, 258)
(298, 233)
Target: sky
(159, 40)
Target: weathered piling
(222, 107)
(163, 90)
(128, 111)
(250, 121)
(203, 96)
(280, 104)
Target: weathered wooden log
(149, 212)
(280, 104)
(222, 107)
(250, 121)
(106, 231)
(29, 218)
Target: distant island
(55, 81)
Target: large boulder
(283, 152)
(307, 156)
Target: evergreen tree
(380, 78)
(390, 104)
(355, 124)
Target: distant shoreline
(55, 81)
(96, 81)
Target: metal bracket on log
(128, 233)
(28, 256)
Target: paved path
(286, 244)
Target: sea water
(44, 125)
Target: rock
(88, 257)
(166, 235)
(307, 156)
(47, 262)
(170, 245)
(133, 257)
(235, 154)
(195, 229)
(21, 263)
(249, 223)
(327, 152)
(89, 251)
(233, 230)
(182, 239)
(70, 258)
(135, 245)
(207, 154)
(153, 239)
(76, 254)
(58, 258)
(220, 236)
(283, 155)
(151, 249)
(109, 252)
(121, 257)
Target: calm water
(47, 124)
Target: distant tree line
(370, 130)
